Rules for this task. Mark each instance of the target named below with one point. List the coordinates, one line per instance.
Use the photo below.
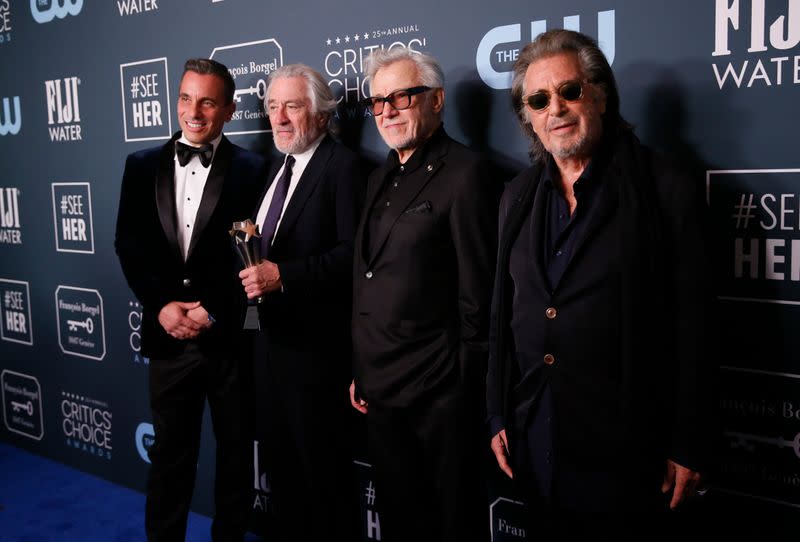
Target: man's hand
(260, 279)
(173, 318)
(684, 480)
(358, 403)
(200, 315)
(500, 449)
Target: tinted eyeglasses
(400, 99)
(570, 91)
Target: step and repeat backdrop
(84, 83)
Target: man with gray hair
(307, 216)
(424, 256)
(599, 369)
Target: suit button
(368, 274)
(187, 282)
(549, 359)
(550, 313)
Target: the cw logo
(6, 126)
(512, 35)
(66, 7)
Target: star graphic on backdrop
(338, 41)
(366, 36)
(328, 41)
(356, 37)
(347, 39)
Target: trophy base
(251, 320)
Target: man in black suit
(307, 216)
(598, 388)
(177, 203)
(424, 256)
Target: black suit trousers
(179, 388)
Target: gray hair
(595, 69)
(430, 72)
(319, 93)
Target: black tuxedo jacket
(313, 248)
(148, 248)
(421, 300)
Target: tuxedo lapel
(165, 195)
(373, 189)
(415, 183)
(212, 191)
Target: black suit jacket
(313, 248)
(148, 248)
(631, 377)
(421, 300)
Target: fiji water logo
(44, 11)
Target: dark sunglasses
(570, 91)
(400, 99)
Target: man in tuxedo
(177, 203)
(424, 255)
(307, 216)
(598, 390)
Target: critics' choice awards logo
(145, 436)
(81, 325)
(10, 232)
(5, 21)
(757, 43)
(86, 424)
(63, 109)
(11, 121)
(134, 7)
(44, 11)
(346, 54)
(756, 214)
(72, 217)
(135, 338)
(500, 46)
(145, 100)
(22, 404)
(15, 302)
(250, 64)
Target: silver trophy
(247, 241)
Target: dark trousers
(179, 388)
(428, 471)
(304, 414)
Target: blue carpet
(42, 501)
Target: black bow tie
(185, 152)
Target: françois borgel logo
(16, 311)
(5, 21)
(44, 11)
(346, 53)
(250, 64)
(63, 108)
(764, 62)
(22, 404)
(11, 121)
(500, 46)
(81, 324)
(10, 232)
(133, 7)
(72, 217)
(86, 424)
(145, 100)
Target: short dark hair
(207, 66)
(593, 64)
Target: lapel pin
(430, 167)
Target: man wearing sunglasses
(424, 254)
(598, 395)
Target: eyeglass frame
(370, 101)
(580, 82)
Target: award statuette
(247, 241)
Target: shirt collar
(301, 159)
(214, 144)
(419, 156)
